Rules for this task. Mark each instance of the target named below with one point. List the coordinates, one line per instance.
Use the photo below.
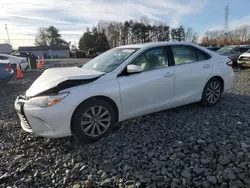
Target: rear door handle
(168, 74)
(206, 66)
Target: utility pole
(226, 26)
(7, 33)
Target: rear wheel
(93, 120)
(212, 92)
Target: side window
(202, 55)
(183, 54)
(152, 59)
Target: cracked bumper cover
(51, 121)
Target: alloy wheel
(213, 92)
(95, 121)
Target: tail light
(6, 68)
(230, 63)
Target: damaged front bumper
(52, 121)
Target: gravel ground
(189, 146)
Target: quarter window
(183, 54)
(201, 56)
(152, 59)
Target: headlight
(47, 101)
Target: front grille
(24, 121)
(21, 113)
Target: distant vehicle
(244, 59)
(23, 54)
(20, 54)
(77, 54)
(91, 54)
(213, 48)
(14, 61)
(6, 73)
(122, 83)
(233, 52)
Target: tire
(214, 85)
(82, 125)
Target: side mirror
(133, 69)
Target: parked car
(213, 48)
(77, 54)
(24, 54)
(233, 52)
(6, 73)
(20, 54)
(122, 83)
(244, 59)
(91, 54)
(14, 61)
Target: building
(5, 49)
(47, 51)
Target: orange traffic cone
(43, 62)
(39, 64)
(19, 73)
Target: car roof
(7, 55)
(154, 44)
(159, 44)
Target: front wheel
(212, 92)
(93, 120)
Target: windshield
(224, 50)
(109, 60)
(248, 51)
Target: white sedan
(14, 60)
(122, 83)
(244, 59)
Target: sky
(72, 17)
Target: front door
(152, 89)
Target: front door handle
(206, 66)
(168, 74)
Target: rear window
(243, 50)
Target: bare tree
(244, 32)
(191, 35)
(238, 36)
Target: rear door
(192, 68)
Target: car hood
(51, 78)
